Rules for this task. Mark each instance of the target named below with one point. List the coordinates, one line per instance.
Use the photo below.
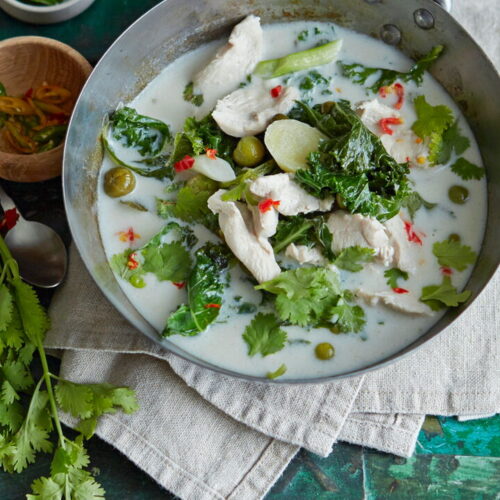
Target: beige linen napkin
(235, 440)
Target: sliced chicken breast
(406, 302)
(235, 221)
(305, 255)
(248, 111)
(293, 199)
(233, 62)
(358, 230)
(371, 112)
(406, 254)
(265, 224)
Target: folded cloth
(204, 435)
(235, 441)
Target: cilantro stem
(50, 392)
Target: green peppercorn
(324, 351)
(137, 281)
(279, 116)
(249, 151)
(119, 181)
(458, 194)
(454, 237)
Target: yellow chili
(52, 94)
(50, 108)
(15, 106)
(18, 141)
(41, 117)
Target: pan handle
(445, 4)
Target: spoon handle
(6, 202)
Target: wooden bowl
(26, 62)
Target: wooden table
(453, 460)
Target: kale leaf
(205, 288)
(360, 74)
(143, 134)
(352, 163)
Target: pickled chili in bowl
(36, 121)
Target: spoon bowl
(40, 253)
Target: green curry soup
(281, 206)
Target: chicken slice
(304, 254)
(293, 199)
(371, 112)
(405, 253)
(235, 221)
(233, 62)
(248, 111)
(405, 303)
(264, 224)
(403, 145)
(358, 230)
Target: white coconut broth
(386, 331)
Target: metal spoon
(37, 248)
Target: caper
(324, 351)
(458, 194)
(249, 151)
(340, 200)
(119, 181)
(454, 237)
(279, 116)
(327, 106)
(137, 281)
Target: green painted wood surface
(453, 460)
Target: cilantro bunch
(29, 408)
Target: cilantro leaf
(278, 373)
(34, 319)
(360, 74)
(439, 296)
(168, 262)
(6, 306)
(451, 253)
(190, 96)
(353, 258)
(453, 141)
(347, 318)
(467, 170)
(205, 288)
(431, 119)
(413, 202)
(75, 399)
(264, 335)
(393, 275)
(304, 294)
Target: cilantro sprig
(264, 336)
(393, 275)
(451, 253)
(444, 295)
(29, 410)
(360, 74)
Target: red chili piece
(132, 263)
(28, 94)
(412, 235)
(385, 122)
(211, 153)
(212, 306)
(130, 234)
(185, 164)
(446, 271)
(179, 285)
(9, 220)
(400, 290)
(400, 92)
(267, 204)
(276, 91)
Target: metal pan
(177, 26)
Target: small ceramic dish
(26, 62)
(44, 14)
